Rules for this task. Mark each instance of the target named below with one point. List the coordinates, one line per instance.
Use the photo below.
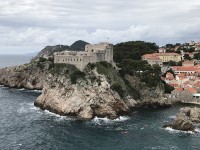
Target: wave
(172, 117)
(178, 131)
(37, 91)
(59, 117)
(106, 120)
(22, 89)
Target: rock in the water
(186, 119)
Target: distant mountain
(78, 45)
(49, 50)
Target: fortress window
(92, 50)
(80, 59)
(74, 60)
(77, 59)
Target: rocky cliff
(30, 76)
(90, 95)
(97, 91)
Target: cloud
(34, 23)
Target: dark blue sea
(25, 127)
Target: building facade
(159, 58)
(92, 54)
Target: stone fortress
(92, 54)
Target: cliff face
(30, 76)
(97, 91)
(153, 97)
(91, 96)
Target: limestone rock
(83, 100)
(186, 119)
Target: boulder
(185, 119)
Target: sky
(27, 26)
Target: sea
(26, 127)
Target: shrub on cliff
(167, 87)
(118, 88)
(62, 69)
(76, 75)
(41, 59)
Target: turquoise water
(25, 127)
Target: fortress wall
(92, 54)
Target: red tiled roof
(181, 75)
(192, 90)
(151, 57)
(174, 85)
(197, 84)
(179, 89)
(167, 54)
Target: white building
(92, 54)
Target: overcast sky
(29, 25)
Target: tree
(187, 57)
(172, 63)
(197, 56)
(179, 63)
(170, 46)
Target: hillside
(78, 45)
(49, 50)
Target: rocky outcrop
(151, 97)
(30, 76)
(97, 91)
(85, 99)
(186, 119)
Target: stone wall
(92, 54)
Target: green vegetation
(67, 70)
(78, 45)
(41, 59)
(197, 56)
(133, 50)
(187, 57)
(167, 87)
(173, 63)
(76, 75)
(118, 88)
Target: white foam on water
(105, 120)
(23, 89)
(27, 107)
(1, 85)
(177, 131)
(172, 117)
(37, 91)
(58, 117)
